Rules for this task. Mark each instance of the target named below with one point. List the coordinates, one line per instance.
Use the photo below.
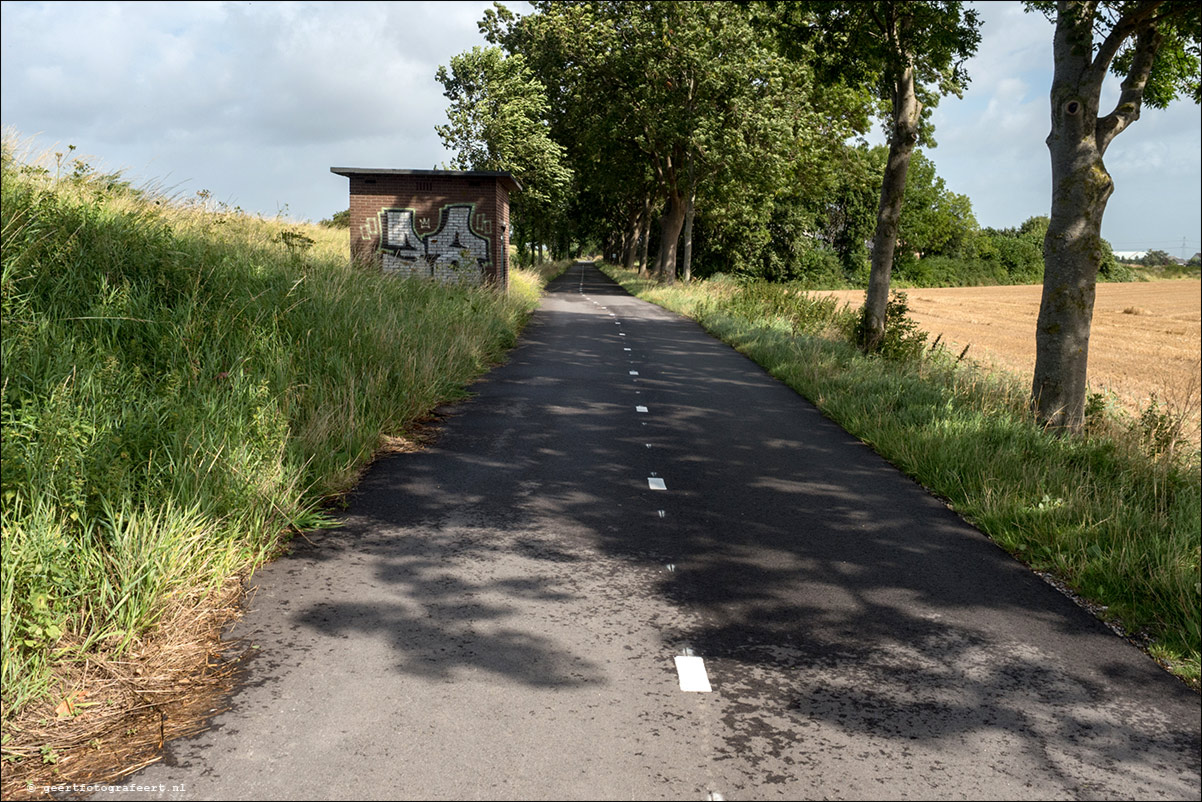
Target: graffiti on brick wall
(370, 230)
(453, 252)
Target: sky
(254, 102)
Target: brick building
(451, 225)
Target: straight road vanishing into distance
(500, 615)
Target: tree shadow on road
(830, 596)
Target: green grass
(184, 386)
(1115, 514)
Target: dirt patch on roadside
(110, 716)
(1146, 337)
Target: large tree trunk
(630, 239)
(1073, 248)
(669, 229)
(1071, 255)
(906, 111)
(686, 256)
(646, 244)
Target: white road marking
(621, 333)
(661, 513)
(691, 671)
(656, 483)
(634, 373)
(625, 349)
(640, 409)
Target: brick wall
(434, 225)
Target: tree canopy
(498, 121)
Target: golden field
(1146, 337)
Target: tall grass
(182, 386)
(1115, 514)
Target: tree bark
(1081, 187)
(690, 201)
(669, 229)
(686, 256)
(646, 232)
(906, 114)
(630, 239)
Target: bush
(338, 220)
(1156, 258)
(946, 271)
(903, 340)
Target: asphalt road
(500, 615)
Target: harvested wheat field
(1146, 337)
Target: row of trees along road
(659, 127)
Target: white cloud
(253, 101)
(256, 101)
(991, 143)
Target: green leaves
(870, 44)
(498, 121)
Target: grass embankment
(182, 388)
(1114, 515)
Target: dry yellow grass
(1146, 338)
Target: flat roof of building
(507, 178)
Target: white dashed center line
(691, 671)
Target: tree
(851, 212)
(912, 53)
(1154, 47)
(717, 112)
(1155, 258)
(690, 94)
(497, 121)
(574, 51)
(935, 221)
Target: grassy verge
(184, 385)
(1113, 515)
(1165, 272)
